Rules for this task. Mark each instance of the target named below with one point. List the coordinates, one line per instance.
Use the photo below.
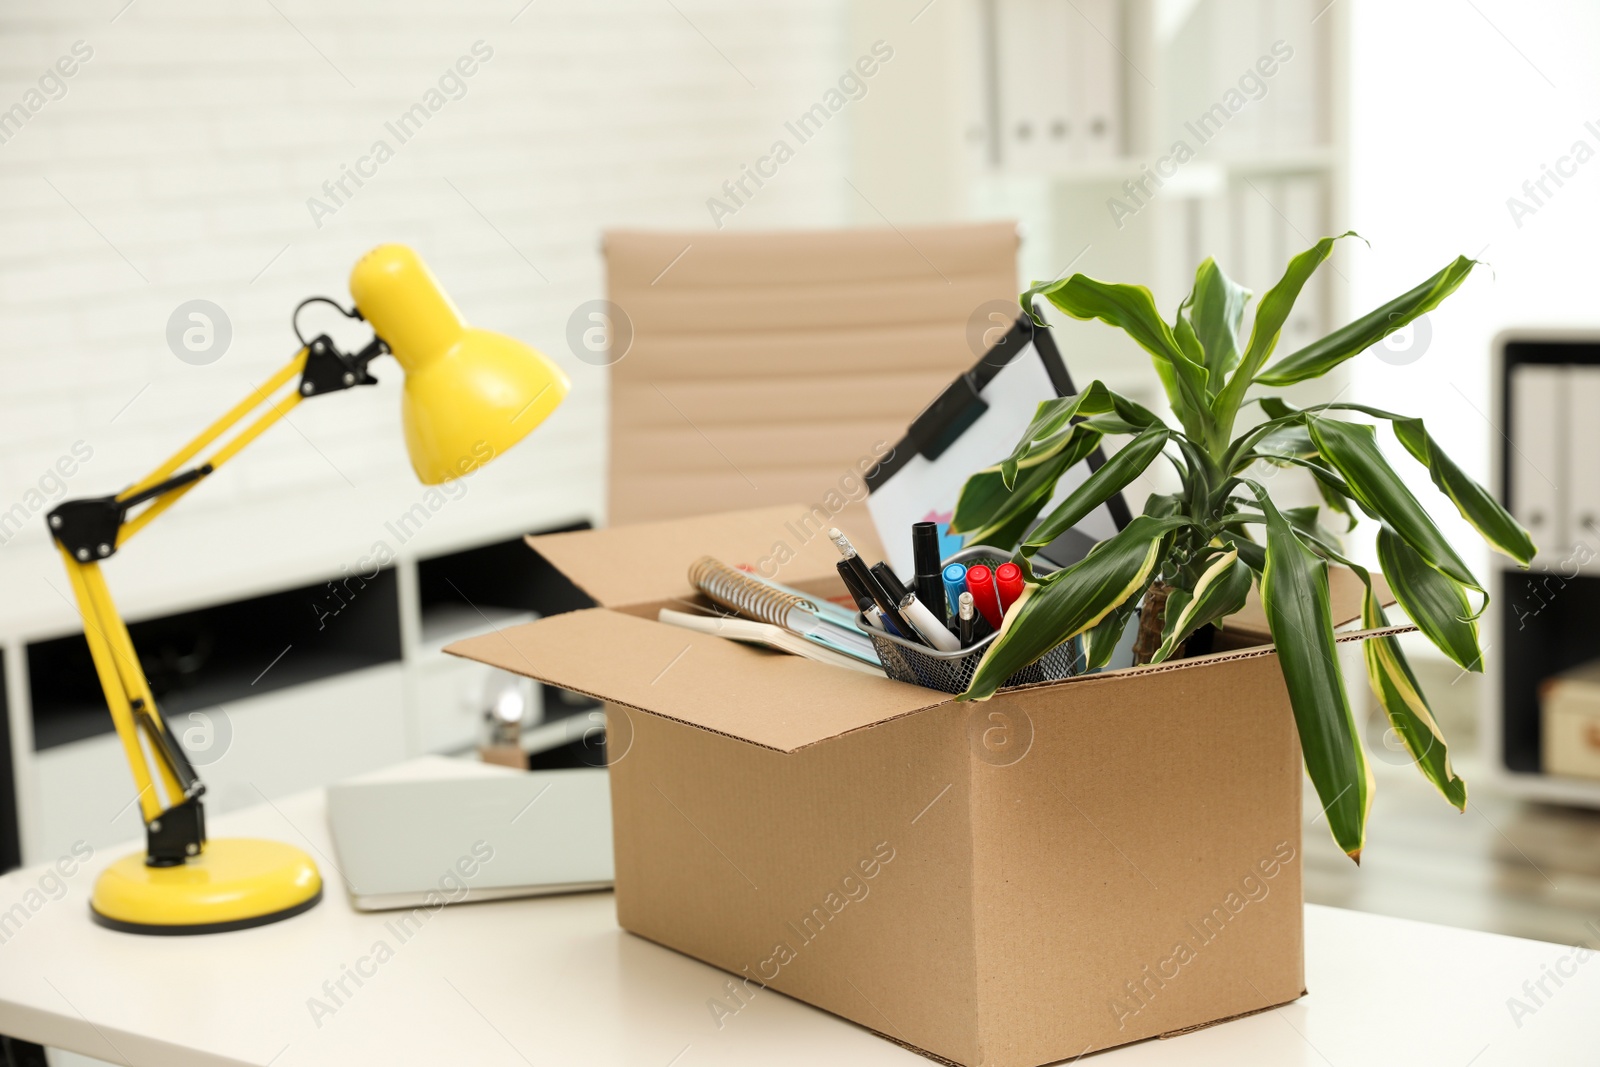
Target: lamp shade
(469, 394)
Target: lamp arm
(90, 530)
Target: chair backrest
(776, 368)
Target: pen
(973, 627)
(890, 582)
(859, 585)
(1008, 579)
(980, 583)
(861, 580)
(928, 628)
(955, 583)
(930, 587)
(873, 615)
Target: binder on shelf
(1059, 80)
(1295, 105)
(1061, 83)
(1237, 39)
(1582, 474)
(1098, 57)
(1021, 80)
(1537, 459)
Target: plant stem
(1152, 616)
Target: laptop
(443, 831)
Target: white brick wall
(193, 137)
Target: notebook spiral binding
(739, 592)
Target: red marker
(1008, 577)
(980, 583)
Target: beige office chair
(775, 368)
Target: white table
(555, 981)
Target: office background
(203, 151)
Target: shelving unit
(361, 682)
(1547, 619)
(1266, 183)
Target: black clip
(329, 370)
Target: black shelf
(1549, 623)
(505, 576)
(223, 652)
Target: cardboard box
(1061, 869)
(1570, 704)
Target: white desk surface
(555, 981)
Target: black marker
(861, 578)
(929, 571)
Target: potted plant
(1192, 557)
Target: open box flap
(648, 563)
(768, 698)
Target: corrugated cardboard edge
(1209, 660)
(1253, 652)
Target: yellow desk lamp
(469, 395)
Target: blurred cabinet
(1544, 621)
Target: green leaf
(1053, 423)
(1337, 502)
(1163, 505)
(1188, 343)
(1288, 440)
(1271, 314)
(1400, 696)
(1132, 309)
(1319, 357)
(1114, 475)
(1493, 523)
(987, 505)
(1220, 592)
(1402, 701)
(1436, 604)
(1303, 520)
(1352, 449)
(1250, 553)
(1100, 642)
(1073, 600)
(1218, 309)
(1051, 429)
(1294, 590)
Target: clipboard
(973, 423)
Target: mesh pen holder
(951, 672)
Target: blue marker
(955, 583)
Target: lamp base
(236, 883)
